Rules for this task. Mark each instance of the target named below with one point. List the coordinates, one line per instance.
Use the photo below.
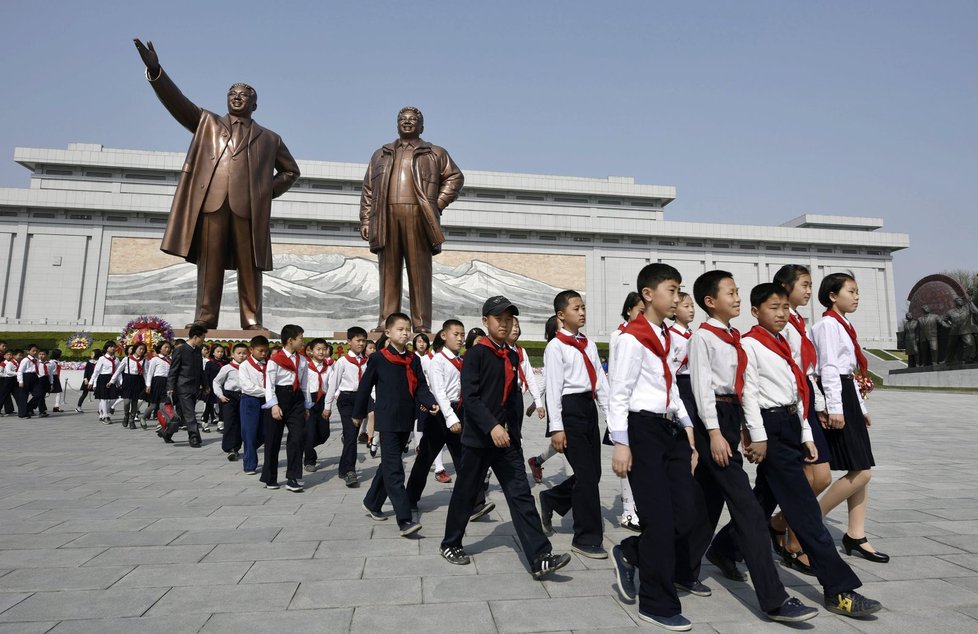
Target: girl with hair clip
(797, 280)
(102, 374)
(129, 381)
(155, 374)
(841, 363)
(88, 385)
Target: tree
(967, 279)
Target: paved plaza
(104, 529)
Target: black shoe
(792, 611)
(232, 456)
(851, 604)
(481, 510)
(455, 555)
(546, 515)
(850, 544)
(42, 415)
(408, 528)
(351, 480)
(694, 587)
(309, 468)
(294, 486)
(791, 560)
(195, 441)
(374, 515)
(592, 552)
(272, 485)
(111, 411)
(549, 563)
(728, 567)
(625, 575)
(778, 547)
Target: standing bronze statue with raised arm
(407, 186)
(220, 216)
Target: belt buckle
(792, 408)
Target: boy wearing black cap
(491, 439)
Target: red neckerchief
(809, 357)
(430, 355)
(580, 342)
(732, 337)
(282, 360)
(685, 334)
(139, 364)
(112, 360)
(457, 362)
(57, 370)
(860, 357)
(642, 330)
(261, 369)
(359, 362)
(405, 362)
(319, 377)
(329, 361)
(622, 326)
(519, 367)
(235, 365)
(503, 353)
(779, 346)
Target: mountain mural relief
(329, 291)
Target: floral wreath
(79, 341)
(149, 330)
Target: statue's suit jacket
(266, 170)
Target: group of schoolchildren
(27, 377)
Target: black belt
(728, 398)
(847, 376)
(791, 409)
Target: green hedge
(51, 340)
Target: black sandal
(791, 561)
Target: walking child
(632, 309)
(216, 359)
(251, 382)
(227, 390)
(130, 383)
(29, 393)
(318, 379)
(285, 405)
(536, 462)
(102, 373)
(341, 387)
(575, 388)
(87, 385)
(54, 373)
(155, 372)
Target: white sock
(439, 462)
(627, 500)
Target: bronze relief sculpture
(407, 186)
(220, 216)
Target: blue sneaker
(625, 575)
(694, 587)
(792, 611)
(678, 623)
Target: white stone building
(79, 248)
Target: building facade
(79, 248)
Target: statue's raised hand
(148, 53)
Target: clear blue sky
(756, 111)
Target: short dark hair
(355, 331)
(19, 351)
(179, 342)
(654, 274)
(159, 347)
(216, 347)
(369, 342)
(708, 285)
(423, 337)
(765, 291)
(683, 295)
(315, 342)
(239, 345)
(258, 341)
(562, 299)
(381, 342)
(788, 274)
(31, 345)
(393, 318)
(550, 328)
(105, 348)
(196, 331)
(474, 334)
(832, 284)
(631, 300)
(291, 331)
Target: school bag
(166, 417)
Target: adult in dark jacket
(184, 382)
(220, 216)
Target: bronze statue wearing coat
(407, 186)
(220, 216)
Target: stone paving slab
(183, 542)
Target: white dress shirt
(836, 357)
(27, 367)
(567, 374)
(158, 366)
(425, 362)
(317, 378)
(277, 376)
(794, 337)
(251, 380)
(612, 341)
(444, 381)
(344, 377)
(638, 383)
(680, 349)
(127, 366)
(226, 380)
(769, 382)
(713, 371)
(531, 382)
(104, 365)
(10, 369)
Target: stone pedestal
(943, 375)
(227, 334)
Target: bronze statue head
(959, 301)
(242, 100)
(925, 308)
(909, 316)
(410, 122)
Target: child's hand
(434, 409)
(757, 452)
(694, 460)
(325, 414)
(500, 437)
(276, 412)
(621, 460)
(812, 452)
(823, 419)
(559, 441)
(837, 421)
(542, 412)
(147, 390)
(869, 421)
(456, 428)
(225, 399)
(719, 448)
(356, 421)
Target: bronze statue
(929, 323)
(407, 186)
(961, 338)
(911, 330)
(219, 219)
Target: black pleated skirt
(818, 433)
(133, 386)
(850, 446)
(157, 390)
(104, 389)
